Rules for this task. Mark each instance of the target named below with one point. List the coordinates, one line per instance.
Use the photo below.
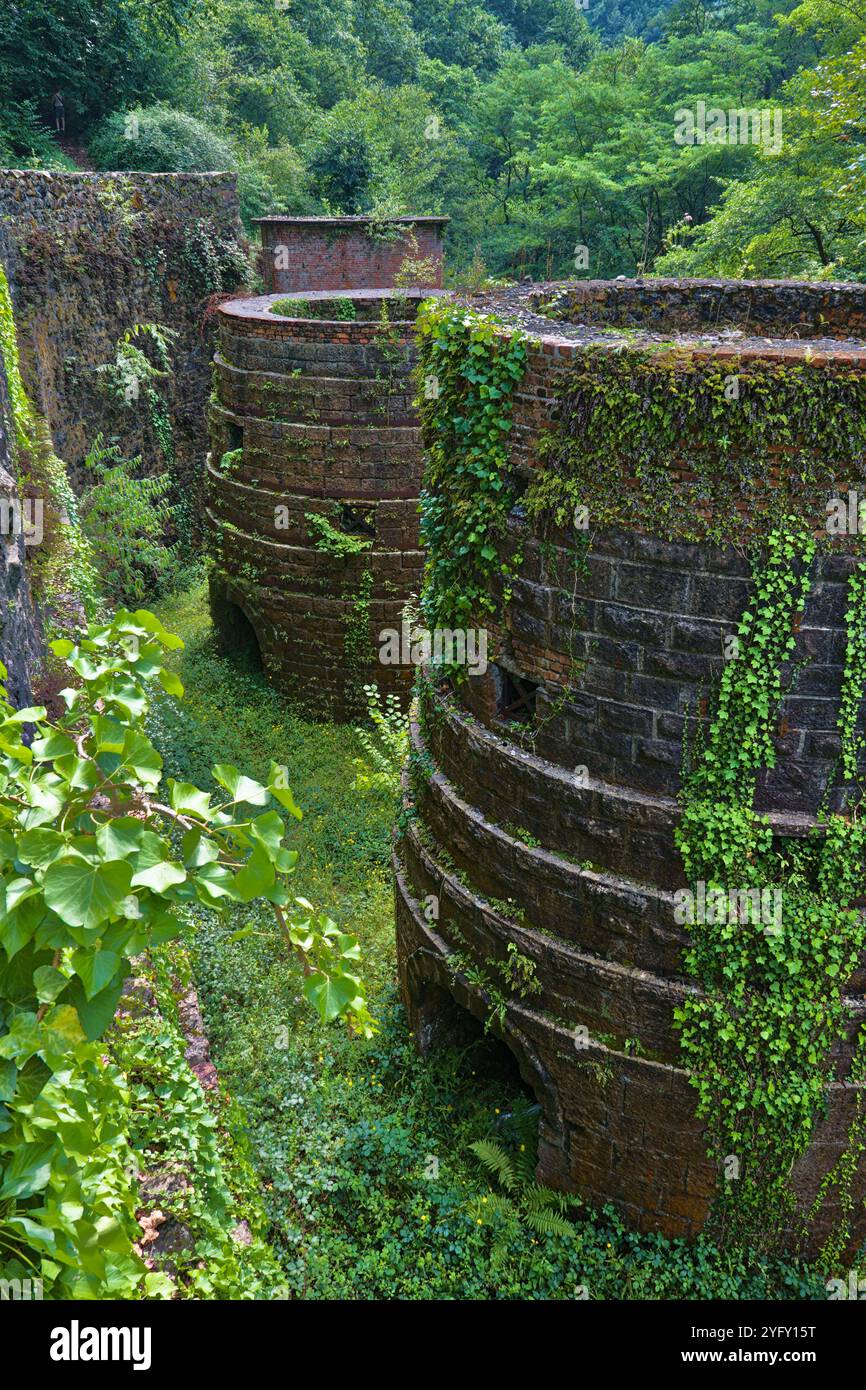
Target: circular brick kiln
(313, 483)
(545, 798)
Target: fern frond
(497, 1162)
(548, 1223)
(495, 1205)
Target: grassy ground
(362, 1149)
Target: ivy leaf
(49, 983)
(255, 877)
(96, 1013)
(40, 848)
(95, 969)
(8, 1076)
(29, 1170)
(159, 877)
(281, 791)
(151, 623)
(268, 830)
(183, 796)
(171, 683)
(83, 894)
(141, 759)
(117, 839)
(55, 744)
(198, 849)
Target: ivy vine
(758, 1039)
(469, 368)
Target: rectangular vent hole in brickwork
(516, 696)
(357, 520)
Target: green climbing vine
(469, 368)
(778, 938)
(63, 565)
(773, 933)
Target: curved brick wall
(558, 836)
(322, 409)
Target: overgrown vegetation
(467, 374)
(98, 867)
(364, 1150)
(539, 128)
(759, 1039)
(124, 517)
(340, 309)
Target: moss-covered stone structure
(91, 255)
(657, 432)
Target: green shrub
(24, 141)
(125, 518)
(157, 139)
(341, 309)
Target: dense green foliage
(538, 126)
(759, 1037)
(468, 373)
(634, 413)
(164, 141)
(96, 869)
(363, 1149)
(124, 516)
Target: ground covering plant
(362, 1149)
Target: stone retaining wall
(90, 255)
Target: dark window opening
(235, 436)
(517, 697)
(357, 520)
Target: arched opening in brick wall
(235, 634)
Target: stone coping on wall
(95, 175)
(258, 308)
(670, 316)
(359, 220)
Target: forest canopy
(539, 126)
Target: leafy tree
(800, 212)
(342, 170)
(101, 54)
(98, 865)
